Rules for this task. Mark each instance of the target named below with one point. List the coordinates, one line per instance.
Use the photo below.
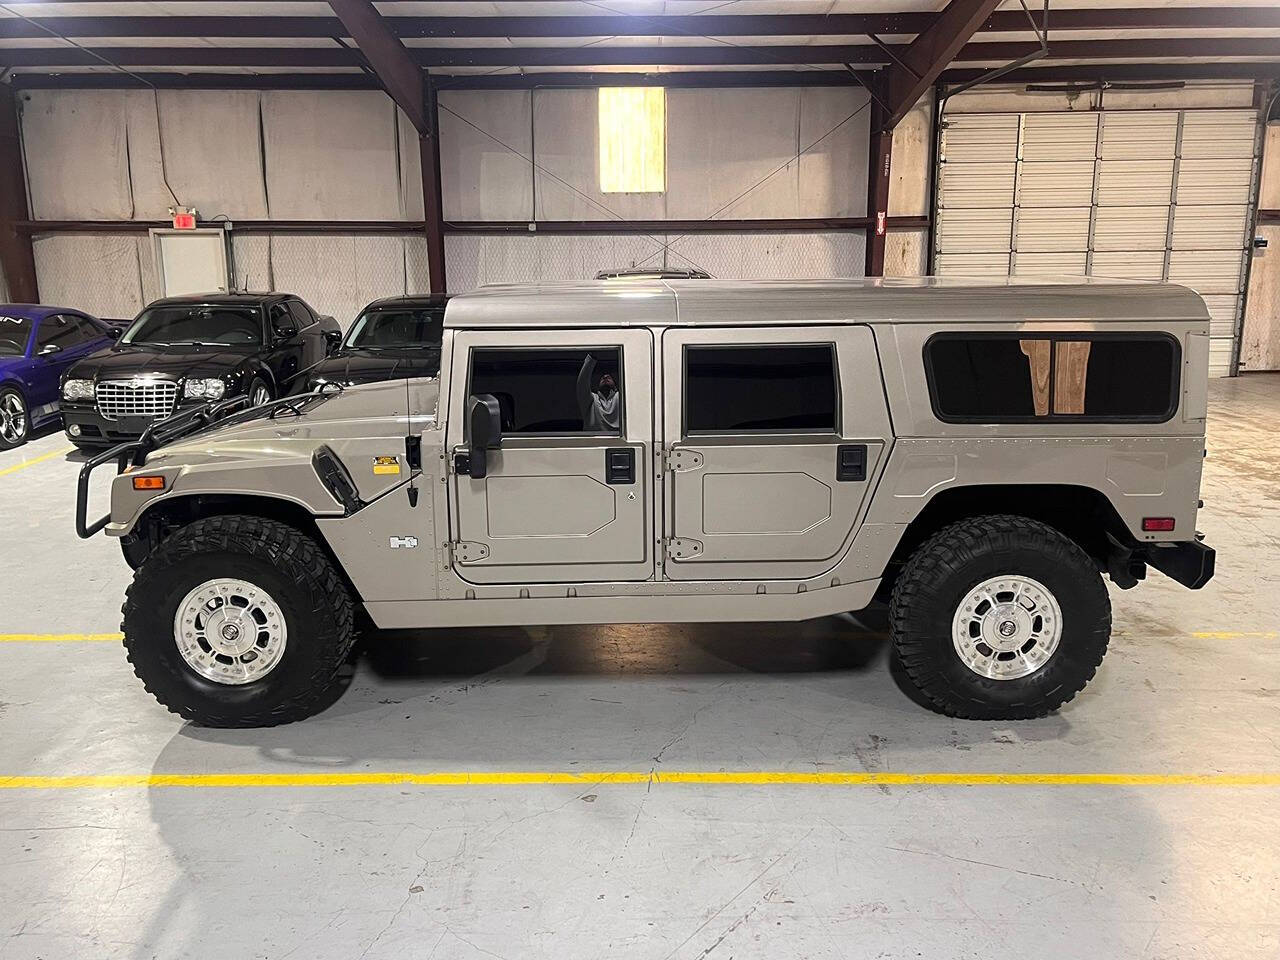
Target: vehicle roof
(247, 297)
(410, 300)
(36, 311)
(774, 302)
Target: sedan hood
(353, 366)
(123, 361)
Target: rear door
(773, 436)
(568, 496)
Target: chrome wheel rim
(1007, 627)
(230, 631)
(13, 418)
(259, 395)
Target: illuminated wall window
(633, 139)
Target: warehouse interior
(516, 791)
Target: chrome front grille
(136, 398)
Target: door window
(761, 388)
(282, 319)
(63, 332)
(302, 315)
(551, 391)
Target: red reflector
(1157, 524)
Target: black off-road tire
(956, 559)
(287, 564)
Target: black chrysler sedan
(188, 350)
(395, 337)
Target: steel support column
(17, 260)
(879, 161)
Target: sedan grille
(136, 398)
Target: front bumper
(1189, 563)
(97, 430)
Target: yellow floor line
(61, 637)
(33, 461)
(1235, 635)
(600, 778)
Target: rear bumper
(1191, 564)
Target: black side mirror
(333, 338)
(484, 432)
(286, 333)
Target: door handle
(851, 462)
(619, 465)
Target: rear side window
(993, 379)
(752, 389)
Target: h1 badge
(384, 465)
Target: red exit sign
(184, 221)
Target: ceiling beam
(410, 87)
(916, 67)
(363, 81)
(722, 25)
(387, 56)
(1120, 72)
(908, 74)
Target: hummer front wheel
(238, 621)
(1000, 618)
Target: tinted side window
(759, 388)
(1012, 379)
(63, 332)
(301, 314)
(552, 391)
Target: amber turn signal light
(148, 483)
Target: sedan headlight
(211, 389)
(77, 390)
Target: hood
(379, 409)
(353, 365)
(123, 361)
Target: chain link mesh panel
(336, 273)
(109, 275)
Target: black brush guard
(134, 452)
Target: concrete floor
(661, 870)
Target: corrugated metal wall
(1138, 194)
(505, 155)
(1260, 342)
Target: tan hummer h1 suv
(977, 453)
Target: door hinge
(681, 458)
(682, 548)
(468, 551)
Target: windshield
(388, 329)
(215, 324)
(14, 334)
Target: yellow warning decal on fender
(386, 464)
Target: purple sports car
(37, 344)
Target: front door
(773, 437)
(567, 493)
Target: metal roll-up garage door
(1139, 194)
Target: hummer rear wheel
(999, 618)
(238, 621)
